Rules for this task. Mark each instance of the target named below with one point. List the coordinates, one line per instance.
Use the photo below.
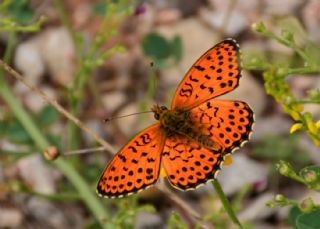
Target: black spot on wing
(193, 79)
(200, 68)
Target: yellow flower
(295, 127)
(298, 107)
(312, 127)
(318, 124)
(295, 115)
(316, 142)
(163, 172)
(227, 160)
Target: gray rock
(236, 22)
(36, 174)
(10, 217)
(46, 212)
(196, 39)
(146, 220)
(241, 172)
(257, 210)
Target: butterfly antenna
(123, 116)
(153, 78)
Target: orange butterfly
(191, 139)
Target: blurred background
(103, 59)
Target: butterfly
(191, 139)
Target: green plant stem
(11, 26)
(56, 105)
(91, 58)
(225, 202)
(56, 197)
(72, 129)
(151, 87)
(287, 43)
(83, 188)
(307, 101)
(59, 5)
(304, 70)
(89, 198)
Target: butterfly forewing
(188, 164)
(136, 166)
(215, 73)
(229, 123)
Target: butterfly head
(159, 111)
(172, 121)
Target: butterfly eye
(156, 116)
(163, 108)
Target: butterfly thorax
(173, 121)
(179, 122)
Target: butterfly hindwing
(188, 164)
(228, 122)
(215, 73)
(136, 166)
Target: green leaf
(100, 8)
(293, 25)
(287, 149)
(176, 46)
(293, 215)
(55, 139)
(47, 116)
(311, 175)
(3, 127)
(313, 52)
(16, 133)
(315, 168)
(156, 46)
(309, 221)
(21, 10)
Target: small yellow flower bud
(258, 27)
(287, 35)
(295, 127)
(312, 127)
(283, 167)
(279, 198)
(310, 176)
(307, 205)
(316, 142)
(227, 160)
(295, 115)
(163, 172)
(298, 107)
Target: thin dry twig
(57, 106)
(84, 151)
